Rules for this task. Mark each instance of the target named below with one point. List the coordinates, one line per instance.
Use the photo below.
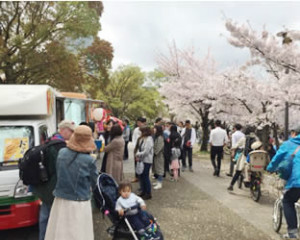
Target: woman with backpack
(71, 213)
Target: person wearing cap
(141, 122)
(45, 191)
(71, 213)
(188, 135)
(292, 186)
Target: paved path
(198, 207)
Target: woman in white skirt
(71, 213)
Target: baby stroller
(106, 195)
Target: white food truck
(29, 114)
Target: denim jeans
(43, 220)
(159, 178)
(289, 200)
(145, 180)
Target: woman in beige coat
(115, 151)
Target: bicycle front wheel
(277, 215)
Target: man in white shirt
(135, 136)
(217, 139)
(188, 135)
(236, 136)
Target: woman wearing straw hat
(71, 213)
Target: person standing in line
(175, 140)
(235, 137)
(292, 186)
(45, 191)
(158, 162)
(180, 127)
(158, 121)
(71, 213)
(188, 135)
(126, 136)
(217, 140)
(145, 154)
(115, 151)
(167, 147)
(141, 122)
(108, 127)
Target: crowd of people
(66, 198)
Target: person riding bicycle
(292, 187)
(244, 143)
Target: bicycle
(257, 162)
(254, 184)
(278, 211)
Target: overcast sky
(139, 29)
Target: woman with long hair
(107, 139)
(144, 154)
(115, 151)
(158, 161)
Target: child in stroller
(133, 208)
(106, 195)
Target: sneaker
(154, 183)
(230, 188)
(191, 170)
(290, 236)
(228, 174)
(183, 169)
(158, 186)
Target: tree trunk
(205, 128)
(264, 136)
(275, 134)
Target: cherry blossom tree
(280, 58)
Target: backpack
(33, 166)
(249, 141)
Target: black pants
(235, 177)
(189, 152)
(126, 151)
(216, 151)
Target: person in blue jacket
(292, 187)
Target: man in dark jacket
(45, 191)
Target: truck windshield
(14, 142)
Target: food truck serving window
(14, 142)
